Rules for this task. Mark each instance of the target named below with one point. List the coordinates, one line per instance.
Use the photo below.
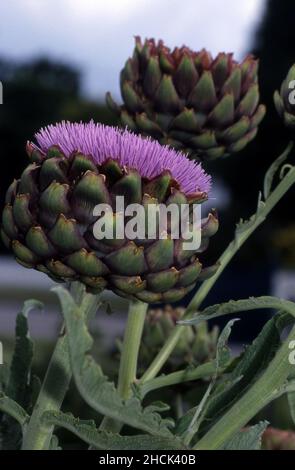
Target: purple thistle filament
(148, 157)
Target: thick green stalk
(129, 356)
(264, 390)
(37, 436)
(224, 260)
(131, 345)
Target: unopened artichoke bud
(207, 107)
(196, 346)
(49, 218)
(285, 99)
(276, 439)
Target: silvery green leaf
(13, 409)
(252, 362)
(19, 382)
(104, 440)
(222, 358)
(247, 439)
(243, 305)
(94, 387)
(19, 377)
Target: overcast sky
(97, 35)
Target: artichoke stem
(128, 364)
(131, 345)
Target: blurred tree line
(35, 94)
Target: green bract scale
(207, 107)
(48, 217)
(195, 347)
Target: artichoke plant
(285, 99)
(48, 219)
(195, 347)
(207, 107)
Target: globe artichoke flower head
(195, 347)
(285, 99)
(48, 220)
(208, 107)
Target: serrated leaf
(266, 388)
(252, 362)
(247, 439)
(93, 385)
(19, 377)
(271, 172)
(108, 441)
(18, 387)
(13, 409)
(235, 306)
(185, 420)
(222, 358)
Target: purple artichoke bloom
(48, 220)
(148, 157)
